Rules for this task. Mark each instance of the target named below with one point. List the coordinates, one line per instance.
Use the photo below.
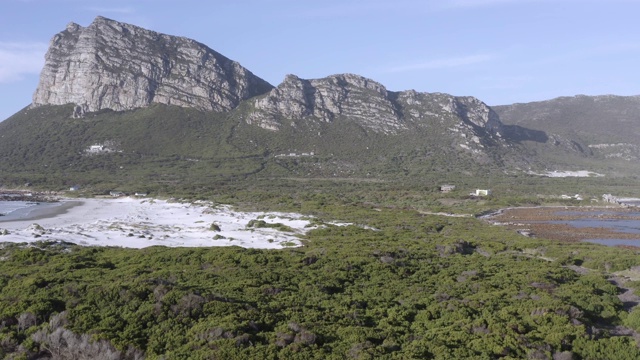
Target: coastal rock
(117, 66)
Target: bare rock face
(111, 65)
(344, 96)
(471, 112)
(355, 98)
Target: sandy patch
(137, 223)
(579, 173)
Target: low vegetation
(398, 285)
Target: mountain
(120, 104)
(111, 65)
(603, 127)
(362, 100)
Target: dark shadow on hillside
(519, 134)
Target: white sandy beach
(138, 223)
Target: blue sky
(500, 51)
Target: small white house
(483, 192)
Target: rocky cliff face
(355, 98)
(326, 100)
(111, 65)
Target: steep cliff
(296, 102)
(111, 65)
(327, 99)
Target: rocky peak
(477, 113)
(367, 102)
(73, 27)
(112, 65)
(342, 96)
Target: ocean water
(7, 207)
(13, 210)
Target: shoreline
(138, 223)
(46, 212)
(554, 223)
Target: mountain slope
(311, 108)
(605, 127)
(160, 146)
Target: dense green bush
(398, 285)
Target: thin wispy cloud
(354, 8)
(20, 59)
(505, 82)
(616, 48)
(443, 63)
(488, 3)
(479, 3)
(112, 10)
(586, 53)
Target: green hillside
(157, 145)
(600, 131)
(162, 146)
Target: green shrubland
(397, 284)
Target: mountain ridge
(607, 126)
(161, 99)
(118, 66)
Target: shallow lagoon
(608, 225)
(621, 222)
(615, 242)
(618, 225)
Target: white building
(483, 192)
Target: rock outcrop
(355, 98)
(111, 65)
(344, 96)
(419, 107)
